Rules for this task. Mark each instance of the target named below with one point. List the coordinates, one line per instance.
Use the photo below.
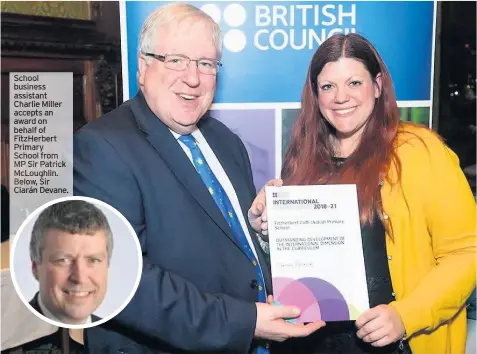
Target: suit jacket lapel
(238, 178)
(171, 152)
(231, 166)
(34, 303)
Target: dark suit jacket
(197, 290)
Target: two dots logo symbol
(234, 15)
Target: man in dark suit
(70, 248)
(183, 180)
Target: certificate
(316, 251)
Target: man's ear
(378, 85)
(142, 67)
(34, 269)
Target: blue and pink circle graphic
(317, 299)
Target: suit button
(254, 284)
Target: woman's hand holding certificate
(257, 214)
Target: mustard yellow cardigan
(432, 244)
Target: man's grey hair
(174, 13)
(73, 216)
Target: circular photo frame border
(34, 215)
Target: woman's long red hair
(309, 158)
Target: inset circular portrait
(76, 262)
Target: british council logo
(234, 15)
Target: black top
(340, 337)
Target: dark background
(456, 79)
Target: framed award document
(316, 251)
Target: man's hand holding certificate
(316, 251)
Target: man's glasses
(180, 62)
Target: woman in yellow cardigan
(417, 211)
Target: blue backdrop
(268, 45)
